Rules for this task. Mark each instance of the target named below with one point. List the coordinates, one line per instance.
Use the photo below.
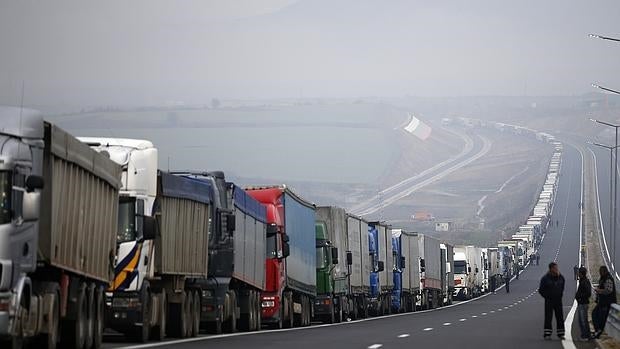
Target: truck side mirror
(149, 228)
(285, 237)
(469, 269)
(380, 266)
(334, 255)
(349, 258)
(422, 265)
(231, 222)
(30, 206)
(477, 270)
(34, 182)
(403, 262)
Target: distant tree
(215, 103)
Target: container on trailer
(357, 236)
(80, 197)
(335, 219)
(430, 253)
(299, 221)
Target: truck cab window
(5, 196)
(139, 217)
(460, 267)
(126, 220)
(19, 183)
(322, 254)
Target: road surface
(513, 320)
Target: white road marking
(474, 316)
(404, 335)
(483, 314)
(461, 320)
(375, 346)
(492, 311)
(428, 329)
(447, 323)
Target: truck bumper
(270, 308)
(123, 311)
(323, 305)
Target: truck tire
(159, 331)
(246, 322)
(332, 314)
(259, 320)
(231, 323)
(90, 316)
(290, 321)
(339, 315)
(74, 331)
(196, 314)
(142, 333)
(188, 309)
(99, 317)
(252, 312)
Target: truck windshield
(321, 257)
(460, 267)
(272, 246)
(5, 197)
(126, 220)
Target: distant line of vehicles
(93, 235)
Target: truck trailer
(58, 216)
(290, 266)
(162, 245)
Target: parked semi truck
(467, 282)
(230, 298)
(162, 245)
(333, 265)
(58, 216)
(378, 299)
(406, 271)
(430, 272)
(290, 267)
(447, 274)
(357, 239)
(381, 277)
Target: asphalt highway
(501, 320)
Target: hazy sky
(152, 52)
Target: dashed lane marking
(461, 320)
(428, 329)
(375, 346)
(447, 323)
(404, 335)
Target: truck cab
(328, 286)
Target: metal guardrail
(612, 328)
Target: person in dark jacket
(551, 288)
(605, 297)
(584, 292)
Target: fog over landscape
(324, 95)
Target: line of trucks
(94, 236)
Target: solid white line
(568, 323)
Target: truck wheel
(188, 309)
(99, 317)
(90, 316)
(196, 314)
(159, 331)
(246, 321)
(280, 323)
(141, 334)
(332, 313)
(259, 320)
(252, 312)
(74, 331)
(231, 323)
(291, 312)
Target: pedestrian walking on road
(507, 280)
(576, 272)
(584, 292)
(551, 288)
(605, 297)
(537, 258)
